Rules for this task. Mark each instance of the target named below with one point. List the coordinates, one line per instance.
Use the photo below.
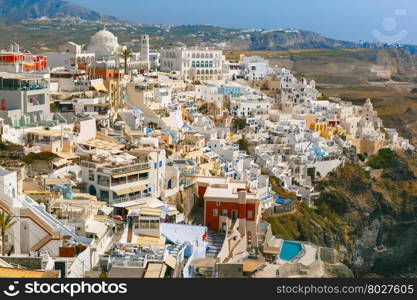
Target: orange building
(105, 74)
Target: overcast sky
(354, 20)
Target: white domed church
(104, 43)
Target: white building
(193, 64)
(70, 56)
(24, 99)
(256, 68)
(154, 60)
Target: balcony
(130, 198)
(115, 170)
(127, 169)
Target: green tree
(243, 144)
(239, 123)
(126, 53)
(6, 222)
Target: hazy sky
(386, 20)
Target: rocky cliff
(370, 217)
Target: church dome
(104, 36)
(104, 43)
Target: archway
(92, 190)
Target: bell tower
(144, 48)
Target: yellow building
(114, 99)
(367, 146)
(326, 131)
(310, 120)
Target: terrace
(20, 83)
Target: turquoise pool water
(290, 250)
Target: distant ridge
(17, 11)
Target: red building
(235, 201)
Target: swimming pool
(290, 250)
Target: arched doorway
(92, 190)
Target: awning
(130, 190)
(252, 265)
(144, 240)
(100, 87)
(127, 174)
(138, 188)
(154, 212)
(271, 250)
(59, 162)
(119, 175)
(67, 155)
(135, 207)
(122, 192)
(57, 181)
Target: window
(104, 195)
(103, 180)
(217, 203)
(224, 212)
(215, 212)
(143, 176)
(250, 214)
(91, 175)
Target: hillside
(16, 11)
(387, 76)
(286, 39)
(370, 217)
